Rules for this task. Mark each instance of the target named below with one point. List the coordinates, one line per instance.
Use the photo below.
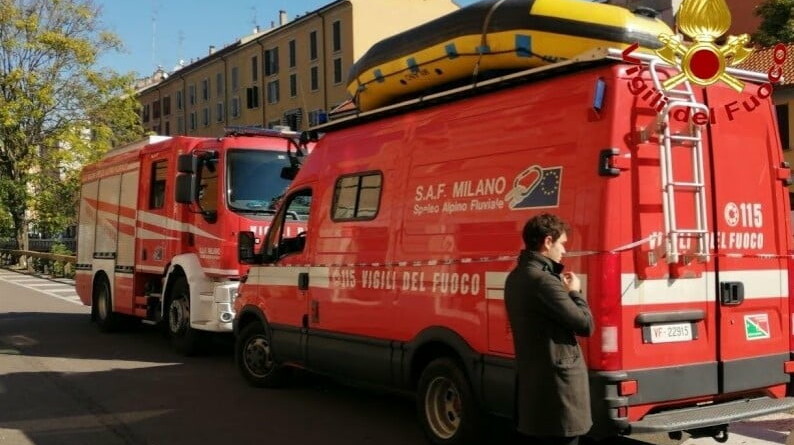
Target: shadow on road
(63, 382)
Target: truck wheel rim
(178, 315)
(443, 407)
(257, 358)
(102, 306)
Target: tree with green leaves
(58, 108)
(777, 22)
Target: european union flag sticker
(536, 187)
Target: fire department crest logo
(703, 63)
(535, 187)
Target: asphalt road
(62, 382)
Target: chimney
(282, 17)
(212, 50)
(256, 29)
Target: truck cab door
(287, 281)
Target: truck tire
(254, 357)
(184, 339)
(102, 307)
(447, 409)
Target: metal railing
(39, 262)
(40, 245)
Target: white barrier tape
(506, 258)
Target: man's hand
(571, 282)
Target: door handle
(731, 293)
(303, 281)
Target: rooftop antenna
(154, 32)
(181, 39)
(254, 21)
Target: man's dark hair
(540, 226)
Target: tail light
(605, 304)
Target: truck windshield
(254, 182)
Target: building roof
(763, 58)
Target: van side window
(357, 197)
(157, 189)
(287, 235)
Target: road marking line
(20, 283)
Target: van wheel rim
(178, 315)
(443, 407)
(257, 357)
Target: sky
(161, 32)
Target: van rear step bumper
(711, 415)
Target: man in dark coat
(546, 312)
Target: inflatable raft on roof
(492, 36)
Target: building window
(219, 112)
(313, 45)
(219, 84)
(337, 26)
(272, 92)
(782, 122)
(235, 79)
(205, 90)
(167, 106)
(235, 109)
(191, 95)
(338, 70)
(167, 128)
(192, 120)
(292, 54)
(254, 68)
(315, 76)
(145, 113)
(271, 61)
(293, 118)
(205, 116)
(357, 197)
(157, 193)
(317, 117)
(180, 125)
(156, 109)
(293, 85)
(179, 103)
(252, 97)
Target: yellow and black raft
(493, 36)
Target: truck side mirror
(246, 248)
(289, 173)
(185, 188)
(187, 163)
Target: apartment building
(291, 74)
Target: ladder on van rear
(681, 98)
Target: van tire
(254, 356)
(447, 409)
(102, 307)
(184, 339)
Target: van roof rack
(281, 132)
(592, 57)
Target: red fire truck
(158, 227)
(680, 233)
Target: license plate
(672, 332)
